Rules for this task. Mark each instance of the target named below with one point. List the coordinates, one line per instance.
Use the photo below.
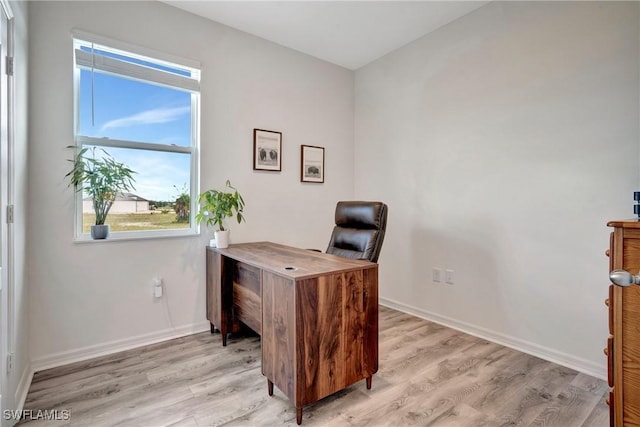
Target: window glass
(160, 200)
(143, 113)
(125, 109)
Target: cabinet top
(625, 223)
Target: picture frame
(311, 163)
(267, 150)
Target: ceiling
(347, 33)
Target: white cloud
(159, 115)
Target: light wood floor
(429, 375)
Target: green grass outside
(136, 221)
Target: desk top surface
(290, 262)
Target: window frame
(192, 85)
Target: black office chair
(359, 231)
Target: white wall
(503, 143)
(21, 374)
(95, 297)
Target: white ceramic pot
(222, 239)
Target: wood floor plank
(571, 407)
(530, 392)
(599, 417)
(429, 375)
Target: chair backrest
(359, 230)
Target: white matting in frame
(267, 150)
(311, 163)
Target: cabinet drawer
(610, 402)
(609, 352)
(609, 303)
(609, 252)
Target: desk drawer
(247, 296)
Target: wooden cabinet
(623, 345)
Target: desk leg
(270, 387)
(299, 415)
(224, 334)
(369, 378)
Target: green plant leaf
(217, 205)
(102, 178)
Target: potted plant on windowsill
(102, 178)
(216, 206)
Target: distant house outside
(125, 203)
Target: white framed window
(142, 108)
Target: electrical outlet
(157, 287)
(437, 275)
(448, 277)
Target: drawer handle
(607, 401)
(606, 351)
(607, 252)
(606, 302)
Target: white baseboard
(63, 358)
(85, 353)
(579, 364)
(23, 387)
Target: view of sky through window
(131, 110)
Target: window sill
(124, 236)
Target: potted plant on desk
(216, 206)
(102, 178)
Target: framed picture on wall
(267, 150)
(311, 163)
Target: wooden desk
(317, 315)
